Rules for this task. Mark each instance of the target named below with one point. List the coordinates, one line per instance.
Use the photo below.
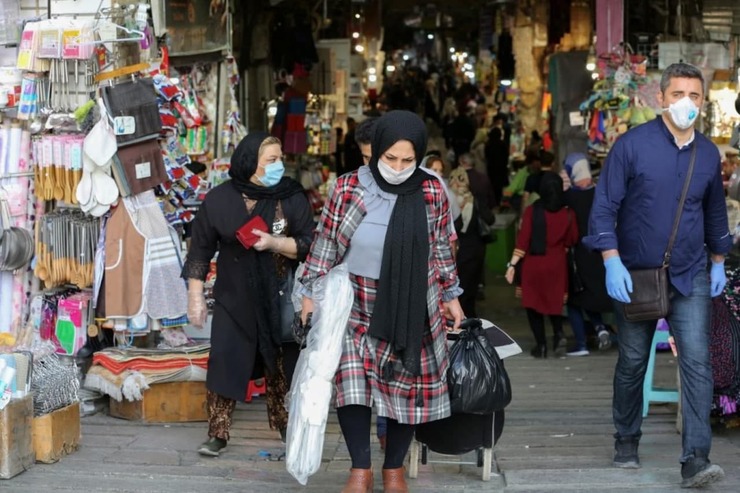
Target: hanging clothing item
(125, 248)
(165, 294)
(139, 167)
(135, 100)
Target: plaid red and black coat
(359, 379)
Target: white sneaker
(605, 340)
(578, 352)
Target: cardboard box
(16, 440)
(57, 434)
(165, 403)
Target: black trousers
(355, 424)
(537, 324)
(471, 258)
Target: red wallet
(245, 235)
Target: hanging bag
(476, 379)
(650, 288)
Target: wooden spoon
(58, 185)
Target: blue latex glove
(718, 278)
(618, 279)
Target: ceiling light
(430, 36)
(506, 82)
(355, 35)
(373, 78)
(390, 68)
(359, 48)
(405, 58)
(452, 50)
(465, 54)
(357, 16)
(371, 71)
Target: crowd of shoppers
(583, 237)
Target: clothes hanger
(138, 35)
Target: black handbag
(287, 311)
(650, 297)
(485, 230)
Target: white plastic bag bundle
(313, 380)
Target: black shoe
(698, 472)
(625, 453)
(539, 351)
(560, 345)
(212, 447)
(283, 434)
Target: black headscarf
(262, 281)
(400, 312)
(551, 200)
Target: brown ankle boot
(394, 481)
(359, 481)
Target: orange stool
(256, 388)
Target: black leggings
(537, 324)
(355, 424)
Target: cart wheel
(424, 453)
(487, 463)
(414, 460)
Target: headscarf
(400, 312)
(551, 200)
(262, 281)
(578, 169)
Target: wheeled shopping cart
(462, 433)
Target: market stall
(104, 115)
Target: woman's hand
(453, 311)
(510, 271)
(306, 308)
(266, 241)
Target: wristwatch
(509, 265)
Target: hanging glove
(197, 309)
(718, 278)
(618, 279)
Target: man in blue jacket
(631, 221)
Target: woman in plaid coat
(389, 222)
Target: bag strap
(684, 193)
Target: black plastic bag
(477, 380)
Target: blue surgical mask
(273, 174)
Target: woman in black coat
(592, 298)
(246, 335)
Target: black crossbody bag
(650, 288)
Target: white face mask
(683, 113)
(394, 177)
